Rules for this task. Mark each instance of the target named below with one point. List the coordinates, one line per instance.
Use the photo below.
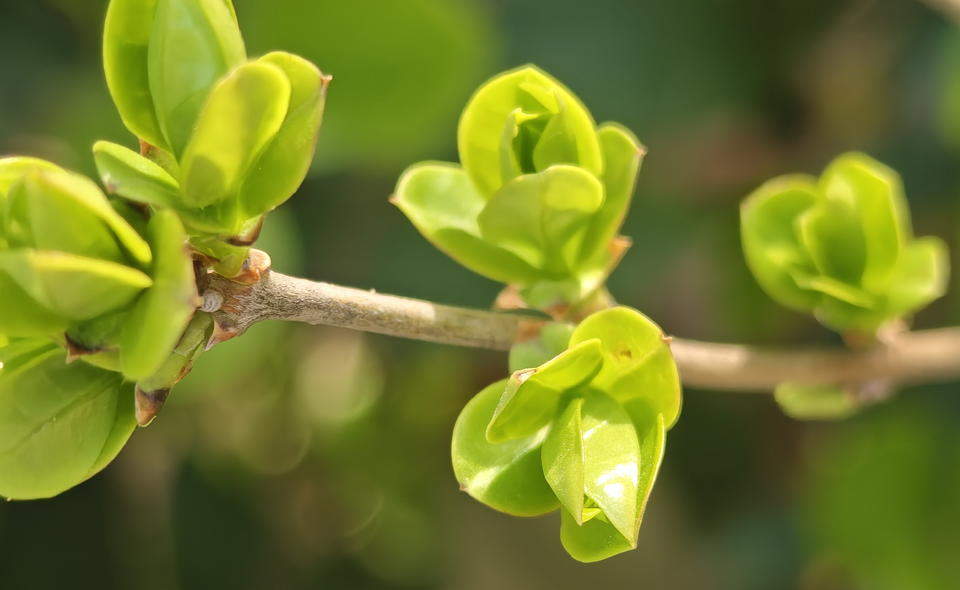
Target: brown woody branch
(908, 357)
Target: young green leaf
(152, 391)
(542, 217)
(843, 247)
(566, 130)
(13, 168)
(126, 42)
(771, 240)
(22, 316)
(229, 258)
(192, 44)
(281, 168)
(622, 155)
(48, 215)
(505, 476)
(874, 191)
(443, 205)
(597, 538)
(59, 424)
(833, 236)
(563, 460)
(531, 396)
(919, 277)
(62, 211)
(593, 451)
(241, 116)
(132, 176)
(638, 366)
(815, 402)
(158, 318)
(70, 286)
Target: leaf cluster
(539, 195)
(584, 431)
(842, 246)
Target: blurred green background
(318, 458)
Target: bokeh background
(300, 457)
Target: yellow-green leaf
(132, 176)
(193, 43)
(241, 116)
(158, 318)
(59, 423)
(282, 166)
(443, 205)
(638, 366)
(70, 286)
(506, 476)
(126, 43)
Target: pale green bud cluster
(842, 247)
(224, 139)
(539, 196)
(583, 432)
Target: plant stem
(909, 357)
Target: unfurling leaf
(444, 206)
(555, 129)
(531, 396)
(505, 476)
(244, 112)
(638, 368)
(597, 538)
(281, 167)
(223, 140)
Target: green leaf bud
(815, 402)
(541, 193)
(842, 247)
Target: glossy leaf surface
(61, 211)
(531, 396)
(193, 43)
(638, 367)
(281, 167)
(505, 476)
(241, 116)
(622, 155)
(597, 538)
(126, 43)
(593, 452)
(542, 217)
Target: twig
(910, 357)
